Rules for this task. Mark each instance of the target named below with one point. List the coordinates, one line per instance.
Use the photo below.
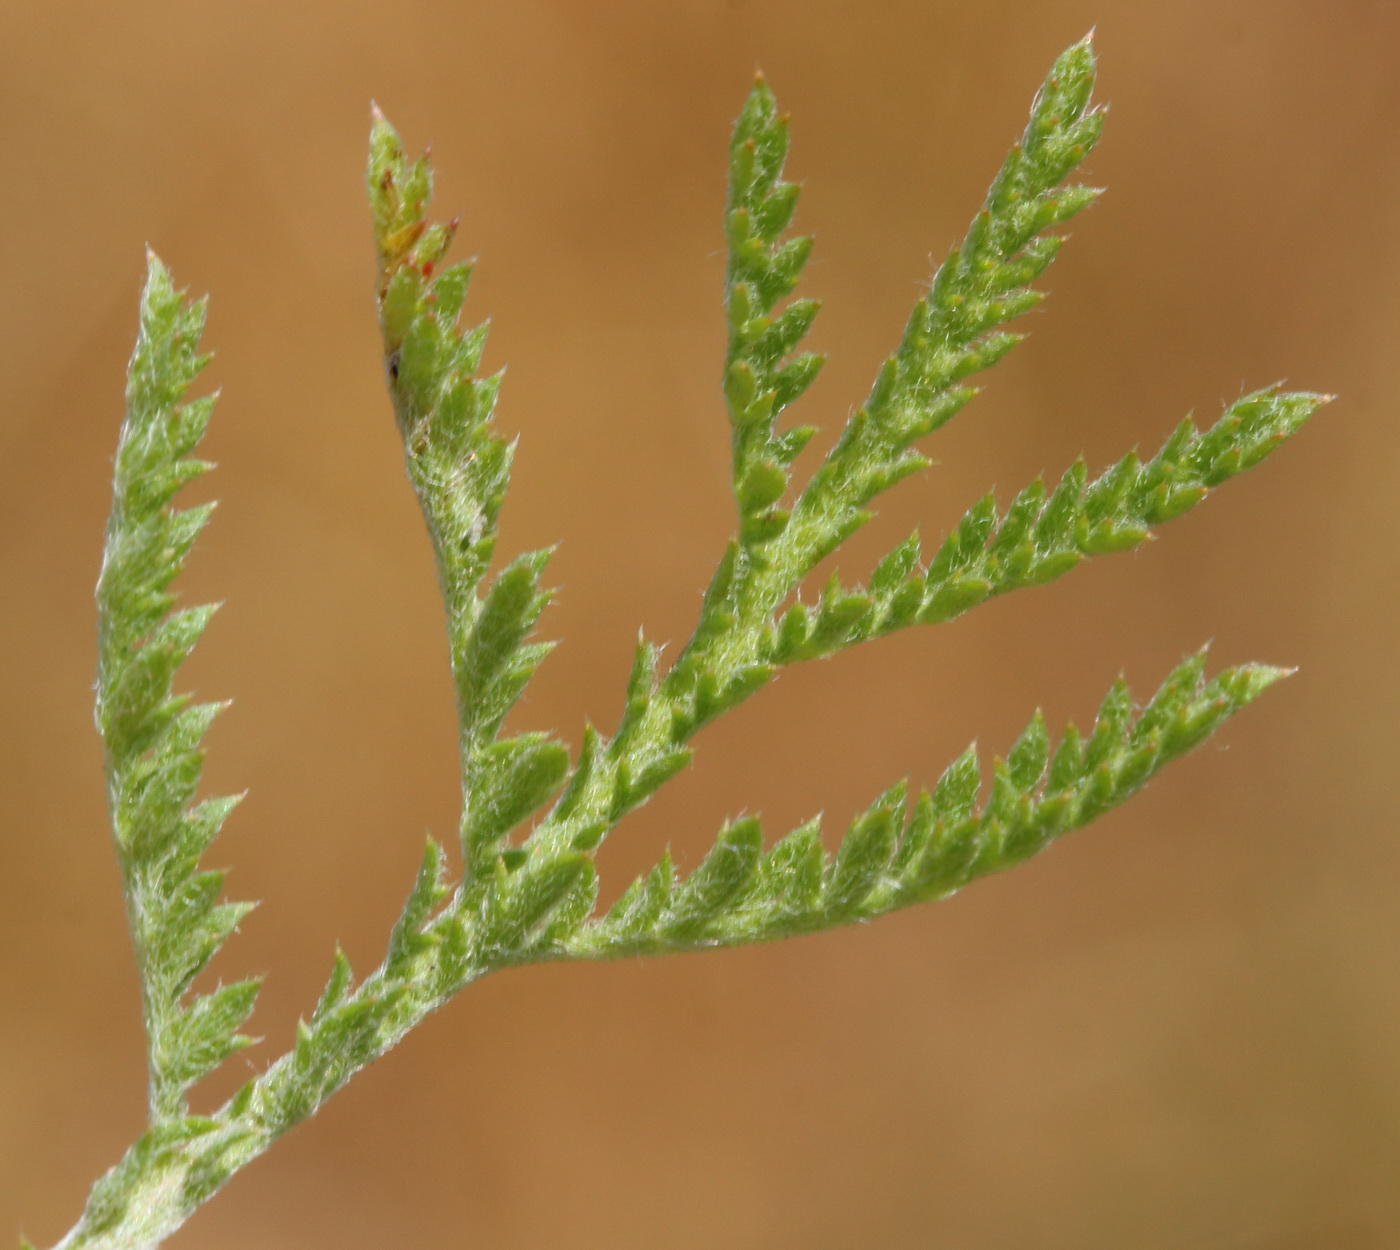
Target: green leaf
(151, 735)
(762, 377)
(636, 913)
(429, 889)
(1027, 759)
(338, 985)
(1036, 542)
(957, 789)
(494, 666)
(894, 568)
(738, 896)
(510, 780)
(650, 777)
(206, 1033)
(531, 901)
(521, 911)
(459, 466)
(954, 330)
(864, 854)
(716, 883)
(794, 870)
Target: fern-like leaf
(151, 735)
(761, 376)
(956, 330)
(1041, 536)
(459, 465)
(960, 831)
(528, 900)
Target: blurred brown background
(1176, 1031)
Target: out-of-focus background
(1179, 1030)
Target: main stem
(170, 1172)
